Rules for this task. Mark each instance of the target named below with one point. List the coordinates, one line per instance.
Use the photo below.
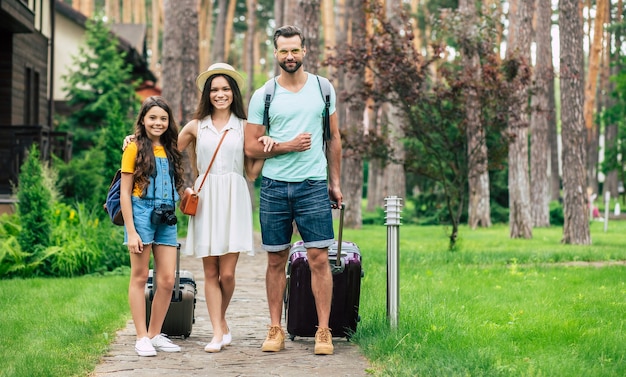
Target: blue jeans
(305, 202)
(159, 234)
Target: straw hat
(220, 69)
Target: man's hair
(288, 31)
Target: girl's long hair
(145, 164)
(206, 108)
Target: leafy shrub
(79, 244)
(82, 179)
(556, 213)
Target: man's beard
(290, 70)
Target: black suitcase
(180, 316)
(300, 312)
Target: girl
(222, 226)
(151, 179)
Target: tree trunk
(610, 131)
(205, 20)
(352, 166)
(219, 35)
(308, 19)
(575, 209)
(540, 119)
(328, 27)
(395, 177)
(554, 137)
(228, 32)
(155, 33)
(180, 65)
(479, 209)
(595, 53)
(520, 221)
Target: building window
(31, 97)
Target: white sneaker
(162, 343)
(144, 347)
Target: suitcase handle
(176, 294)
(340, 236)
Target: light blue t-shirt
(291, 114)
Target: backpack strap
(324, 85)
(270, 86)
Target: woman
(222, 226)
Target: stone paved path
(248, 319)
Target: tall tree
(308, 19)
(610, 130)
(219, 32)
(540, 118)
(180, 64)
(520, 221)
(478, 176)
(575, 209)
(352, 128)
(595, 54)
(205, 20)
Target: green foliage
(110, 143)
(615, 150)
(33, 207)
(79, 244)
(82, 178)
(556, 213)
(100, 80)
(434, 112)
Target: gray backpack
(324, 85)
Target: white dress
(223, 220)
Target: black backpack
(324, 85)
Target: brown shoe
(275, 340)
(323, 341)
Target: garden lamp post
(393, 209)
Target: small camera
(165, 214)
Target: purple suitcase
(300, 312)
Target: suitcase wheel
(292, 337)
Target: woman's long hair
(145, 164)
(206, 108)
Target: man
(300, 177)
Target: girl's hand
(135, 246)
(127, 140)
(268, 143)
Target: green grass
(59, 326)
(496, 307)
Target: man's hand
(302, 142)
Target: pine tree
(101, 78)
(34, 203)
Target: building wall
(68, 37)
(30, 51)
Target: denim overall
(161, 190)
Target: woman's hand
(135, 246)
(268, 143)
(127, 140)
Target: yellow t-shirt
(130, 156)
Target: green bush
(80, 243)
(556, 213)
(82, 179)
